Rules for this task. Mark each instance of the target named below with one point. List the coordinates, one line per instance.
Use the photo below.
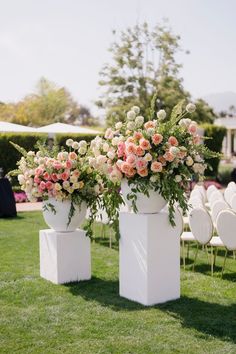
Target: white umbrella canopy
(7, 127)
(65, 128)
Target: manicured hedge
(8, 154)
(61, 138)
(216, 133)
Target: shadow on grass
(208, 318)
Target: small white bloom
(31, 153)
(119, 125)
(136, 109)
(161, 114)
(148, 157)
(69, 142)
(131, 125)
(75, 145)
(131, 115)
(153, 178)
(38, 154)
(198, 158)
(139, 121)
(189, 161)
(21, 179)
(111, 155)
(178, 178)
(190, 108)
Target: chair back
(232, 202)
(217, 206)
(226, 227)
(210, 190)
(217, 195)
(202, 190)
(201, 225)
(228, 193)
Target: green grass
(90, 317)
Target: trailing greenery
(8, 155)
(216, 135)
(90, 317)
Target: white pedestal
(150, 257)
(64, 257)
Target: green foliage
(204, 113)
(90, 317)
(9, 155)
(224, 173)
(216, 135)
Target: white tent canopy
(16, 128)
(65, 128)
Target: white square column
(149, 257)
(64, 256)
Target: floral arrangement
(61, 174)
(159, 152)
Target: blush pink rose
(57, 165)
(130, 148)
(125, 167)
(192, 129)
(38, 171)
(121, 149)
(139, 151)
(42, 185)
(141, 164)
(65, 176)
(138, 135)
(131, 160)
(69, 164)
(173, 141)
(157, 139)
(149, 124)
(54, 177)
(37, 180)
(49, 185)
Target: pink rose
(139, 151)
(197, 139)
(37, 180)
(156, 166)
(141, 164)
(38, 171)
(46, 176)
(42, 185)
(125, 167)
(130, 148)
(173, 141)
(65, 176)
(162, 160)
(131, 160)
(121, 149)
(69, 164)
(138, 135)
(57, 165)
(192, 129)
(49, 185)
(157, 139)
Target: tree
(143, 63)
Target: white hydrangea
(139, 120)
(190, 108)
(83, 144)
(131, 115)
(131, 125)
(154, 178)
(82, 150)
(161, 114)
(75, 145)
(118, 125)
(69, 142)
(136, 109)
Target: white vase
(145, 205)
(57, 217)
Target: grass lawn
(90, 317)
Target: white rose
(131, 125)
(83, 144)
(148, 157)
(174, 150)
(116, 140)
(198, 158)
(161, 114)
(105, 147)
(131, 115)
(150, 131)
(136, 109)
(82, 150)
(69, 142)
(178, 178)
(111, 155)
(21, 179)
(190, 108)
(119, 125)
(139, 121)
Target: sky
(67, 42)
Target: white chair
(217, 207)
(232, 202)
(202, 190)
(226, 227)
(217, 195)
(211, 189)
(201, 227)
(228, 194)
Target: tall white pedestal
(64, 256)
(149, 257)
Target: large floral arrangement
(61, 174)
(159, 152)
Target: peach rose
(139, 151)
(173, 141)
(72, 155)
(168, 156)
(144, 144)
(138, 135)
(156, 166)
(143, 173)
(130, 148)
(149, 124)
(157, 139)
(131, 160)
(125, 167)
